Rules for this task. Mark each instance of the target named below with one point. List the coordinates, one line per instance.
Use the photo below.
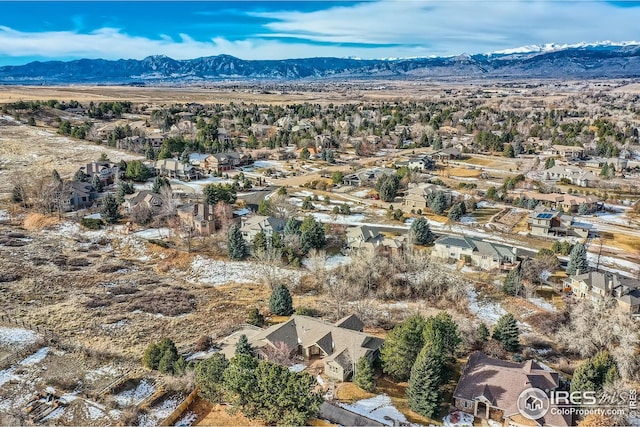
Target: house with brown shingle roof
(489, 389)
(338, 345)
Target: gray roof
(351, 322)
(489, 249)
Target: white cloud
(388, 28)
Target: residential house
(221, 162)
(568, 202)
(446, 154)
(107, 171)
(367, 177)
(369, 238)
(143, 198)
(575, 176)
(338, 345)
(567, 152)
(323, 141)
(200, 216)
(600, 285)
(257, 223)
(481, 254)
(422, 163)
(74, 195)
(549, 223)
(417, 195)
(597, 162)
(173, 168)
(155, 140)
(489, 389)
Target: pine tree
(438, 203)
(259, 242)
(423, 392)
(595, 373)
(184, 157)
(280, 302)
(292, 226)
(442, 329)
(402, 346)
(255, 318)
(482, 335)
(387, 187)
(421, 232)
(56, 176)
(455, 213)
(237, 246)
(264, 208)
(305, 154)
(583, 209)
(80, 175)
(209, 377)
(109, 209)
(243, 346)
(96, 182)
(549, 163)
(511, 285)
(311, 234)
(123, 189)
(149, 152)
(507, 332)
(577, 260)
(363, 377)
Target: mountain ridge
(619, 60)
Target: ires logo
(534, 403)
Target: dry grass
(217, 415)
(37, 222)
(349, 392)
(462, 173)
(480, 161)
(626, 242)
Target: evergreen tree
(97, 184)
(507, 332)
(311, 234)
(482, 335)
(243, 347)
(442, 329)
(511, 285)
(549, 163)
(255, 318)
(402, 346)
(264, 208)
(237, 246)
(109, 209)
(455, 213)
(209, 377)
(280, 302)
(531, 204)
(80, 176)
(387, 187)
(363, 377)
(423, 392)
(305, 154)
(577, 260)
(492, 193)
(124, 188)
(509, 151)
(184, 157)
(56, 176)
(583, 209)
(240, 382)
(149, 152)
(421, 232)
(595, 373)
(259, 242)
(158, 183)
(292, 226)
(438, 203)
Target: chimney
(196, 206)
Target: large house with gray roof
(549, 223)
(481, 254)
(339, 345)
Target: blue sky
(292, 29)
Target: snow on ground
(13, 337)
(36, 357)
(4, 215)
(135, 395)
(303, 193)
(199, 355)
(198, 184)
(484, 204)
(361, 193)
(298, 367)
(154, 233)
(218, 272)
(355, 219)
(378, 408)
(458, 419)
(467, 219)
(613, 263)
(320, 380)
(543, 304)
(331, 262)
(187, 419)
(103, 371)
(242, 212)
(486, 310)
(158, 414)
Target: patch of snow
(543, 304)
(94, 412)
(356, 219)
(361, 193)
(199, 355)
(303, 194)
(94, 216)
(484, 204)
(485, 310)
(378, 408)
(187, 419)
(218, 272)
(320, 380)
(36, 357)
(7, 375)
(242, 212)
(104, 371)
(467, 219)
(13, 337)
(56, 414)
(298, 367)
(4, 215)
(331, 262)
(135, 395)
(462, 419)
(154, 233)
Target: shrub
(92, 223)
